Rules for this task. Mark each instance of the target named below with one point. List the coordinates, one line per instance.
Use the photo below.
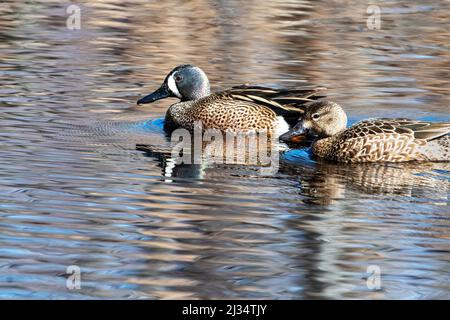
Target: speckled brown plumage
(241, 108)
(378, 140)
(390, 140)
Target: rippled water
(75, 190)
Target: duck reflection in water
(323, 182)
(192, 152)
(320, 181)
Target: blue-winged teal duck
(377, 140)
(239, 108)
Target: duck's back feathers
(421, 129)
(393, 140)
(243, 107)
(416, 129)
(292, 99)
(290, 104)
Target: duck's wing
(417, 129)
(287, 103)
(425, 130)
(289, 100)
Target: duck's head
(185, 82)
(321, 119)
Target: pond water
(76, 191)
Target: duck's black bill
(296, 135)
(159, 94)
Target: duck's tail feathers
(438, 149)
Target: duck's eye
(315, 116)
(178, 78)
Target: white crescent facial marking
(173, 86)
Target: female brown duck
(377, 140)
